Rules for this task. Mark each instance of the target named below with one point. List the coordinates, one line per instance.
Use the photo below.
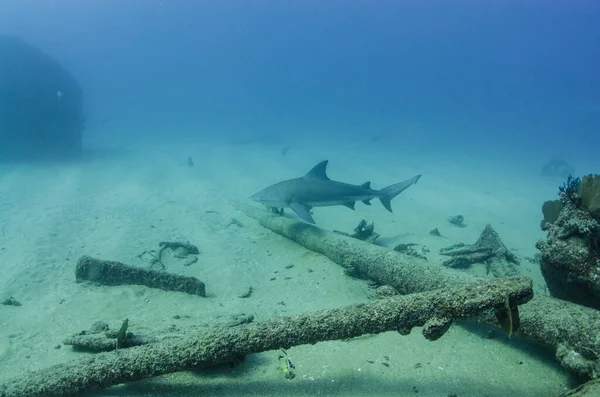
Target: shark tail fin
(388, 193)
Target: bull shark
(315, 189)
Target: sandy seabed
(118, 203)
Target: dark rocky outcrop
(41, 111)
(570, 256)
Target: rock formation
(41, 111)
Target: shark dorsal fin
(366, 185)
(319, 171)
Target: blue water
(503, 81)
(501, 75)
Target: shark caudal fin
(388, 193)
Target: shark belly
(338, 201)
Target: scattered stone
(247, 293)
(488, 249)
(10, 301)
(435, 232)
(457, 220)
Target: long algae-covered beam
(434, 310)
(115, 273)
(570, 329)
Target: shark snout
(255, 197)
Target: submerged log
(571, 330)
(434, 310)
(116, 273)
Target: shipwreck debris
(412, 249)
(185, 251)
(116, 273)
(363, 231)
(434, 310)
(563, 325)
(488, 249)
(100, 338)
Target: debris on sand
(488, 249)
(457, 220)
(116, 273)
(363, 231)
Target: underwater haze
(463, 75)
(138, 139)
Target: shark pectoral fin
(349, 204)
(302, 211)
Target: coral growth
(568, 193)
(589, 193)
(551, 210)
